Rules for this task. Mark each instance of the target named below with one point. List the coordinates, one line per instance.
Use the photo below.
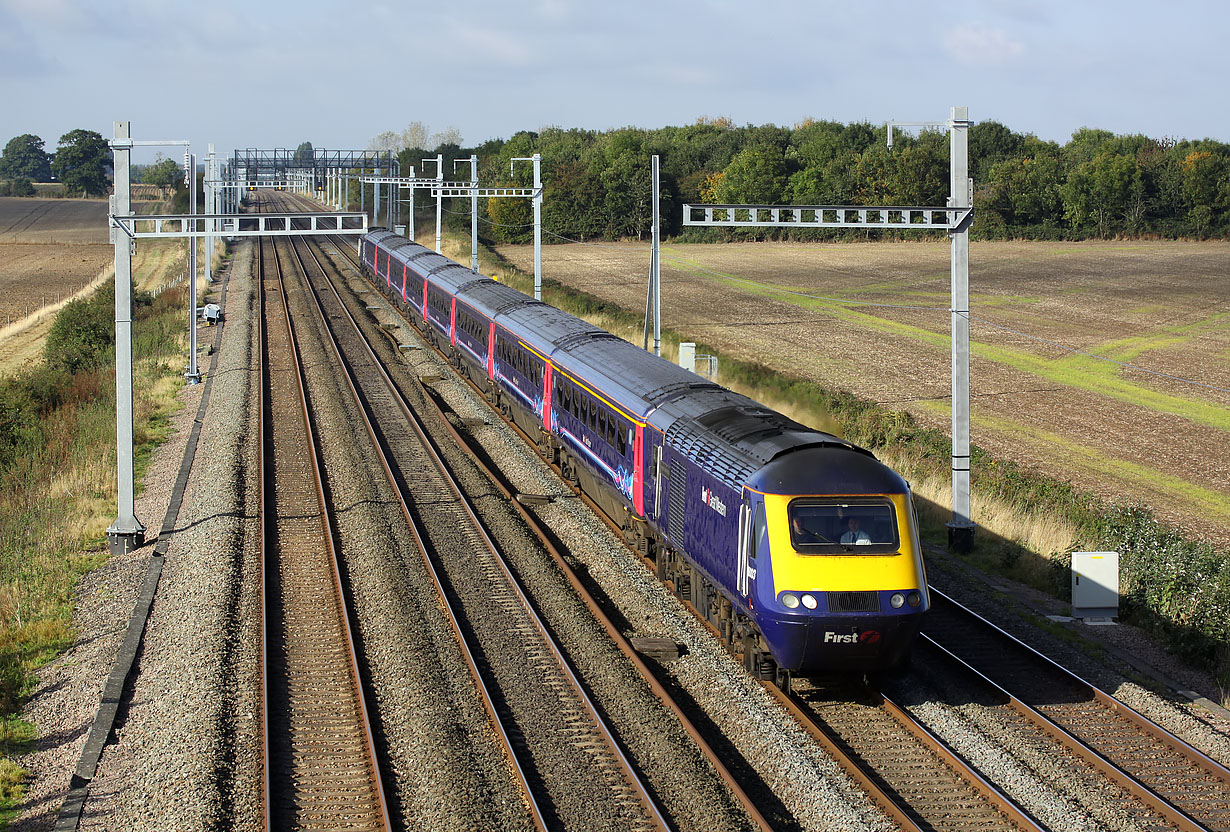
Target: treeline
(81, 163)
(1095, 185)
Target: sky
(274, 73)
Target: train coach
(799, 547)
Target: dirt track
(1123, 433)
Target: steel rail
(908, 816)
(649, 805)
(344, 799)
(1198, 812)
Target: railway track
(320, 763)
(907, 770)
(567, 758)
(883, 755)
(1167, 776)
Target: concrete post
(211, 207)
(410, 222)
(127, 532)
(656, 262)
(439, 204)
(376, 200)
(473, 210)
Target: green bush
(17, 187)
(82, 337)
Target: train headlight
(809, 601)
(897, 600)
(790, 601)
(913, 599)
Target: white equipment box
(1095, 584)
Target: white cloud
(977, 44)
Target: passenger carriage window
(621, 432)
(593, 413)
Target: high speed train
(801, 548)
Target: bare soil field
(33, 220)
(49, 248)
(872, 318)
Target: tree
(82, 161)
(385, 142)
(512, 218)
(17, 187)
(1101, 189)
(756, 176)
(990, 143)
(24, 158)
(1202, 176)
(447, 136)
(165, 173)
(304, 152)
(415, 136)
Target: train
(799, 547)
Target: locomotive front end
(842, 586)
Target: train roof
(839, 468)
(491, 298)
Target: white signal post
(192, 375)
(211, 207)
(439, 163)
(124, 228)
(127, 532)
(410, 218)
(653, 298)
(537, 160)
(473, 160)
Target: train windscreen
(827, 526)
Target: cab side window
(760, 532)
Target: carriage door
(743, 561)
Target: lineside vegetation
(1096, 185)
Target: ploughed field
(1159, 434)
(49, 248)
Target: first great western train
(799, 547)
